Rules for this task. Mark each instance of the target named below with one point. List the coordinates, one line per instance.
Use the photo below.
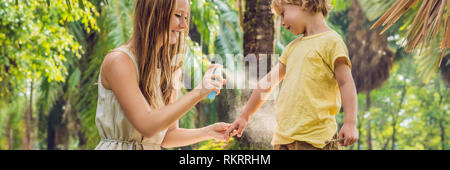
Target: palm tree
(258, 36)
(259, 32)
(370, 56)
(445, 70)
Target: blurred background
(51, 52)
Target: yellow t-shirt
(309, 98)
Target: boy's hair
(313, 6)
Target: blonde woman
(137, 103)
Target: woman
(138, 84)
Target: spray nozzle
(217, 71)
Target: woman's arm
(178, 137)
(120, 74)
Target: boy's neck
(316, 25)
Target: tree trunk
(199, 118)
(394, 130)
(54, 121)
(359, 126)
(359, 132)
(368, 51)
(259, 31)
(27, 117)
(82, 139)
(369, 135)
(441, 119)
(442, 127)
(396, 115)
(225, 103)
(386, 145)
(259, 36)
(9, 133)
(369, 126)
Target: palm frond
(119, 21)
(426, 25)
(229, 40)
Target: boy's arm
(349, 101)
(257, 99)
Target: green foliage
(60, 45)
(229, 38)
(37, 46)
(416, 110)
(35, 41)
(204, 16)
(220, 145)
(340, 5)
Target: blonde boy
(317, 78)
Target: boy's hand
(349, 133)
(237, 127)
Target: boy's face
(293, 18)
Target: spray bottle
(217, 72)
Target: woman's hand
(211, 82)
(217, 130)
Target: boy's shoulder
(331, 40)
(321, 42)
(329, 37)
(290, 44)
(332, 37)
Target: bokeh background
(51, 52)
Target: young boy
(316, 71)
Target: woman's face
(178, 21)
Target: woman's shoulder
(117, 64)
(117, 58)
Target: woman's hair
(313, 6)
(152, 24)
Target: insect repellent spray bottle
(217, 72)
